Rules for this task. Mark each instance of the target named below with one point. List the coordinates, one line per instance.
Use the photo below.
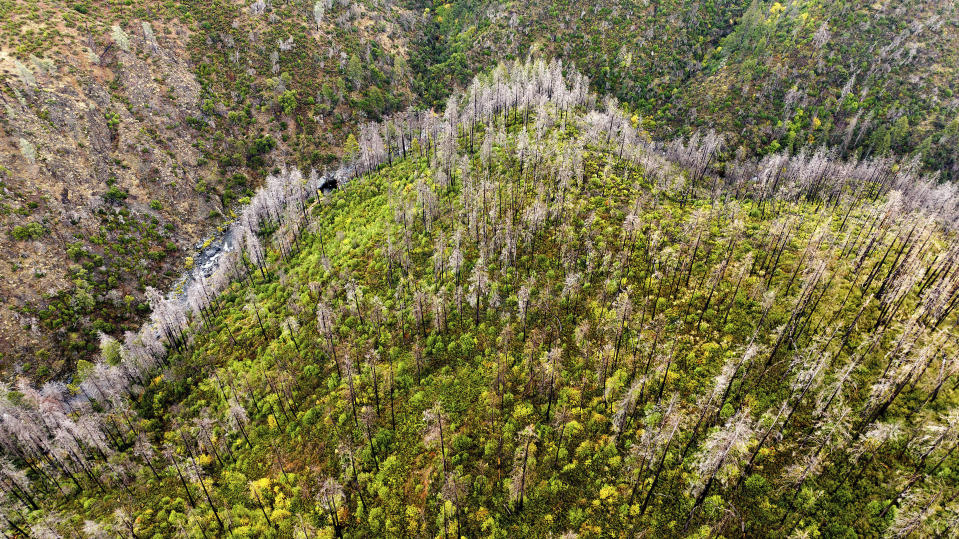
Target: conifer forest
(404, 269)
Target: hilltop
(522, 316)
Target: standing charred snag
(434, 418)
(697, 155)
(522, 303)
(479, 283)
(324, 324)
(251, 305)
(720, 456)
(911, 519)
(292, 328)
(203, 438)
(254, 252)
(391, 389)
(716, 281)
(560, 421)
(372, 360)
(255, 493)
(238, 419)
(171, 456)
(143, 449)
(347, 451)
(865, 451)
(452, 491)
(626, 407)
(831, 433)
(624, 310)
(121, 519)
(351, 392)
(419, 310)
(327, 496)
(525, 448)
(368, 418)
(196, 474)
(552, 374)
(660, 443)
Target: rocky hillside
(101, 178)
(130, 131)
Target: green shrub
(115, 194)
(29, 231)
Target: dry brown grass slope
(100, 110)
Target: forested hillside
(522, 316)
(866, 79)
(134, 132)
